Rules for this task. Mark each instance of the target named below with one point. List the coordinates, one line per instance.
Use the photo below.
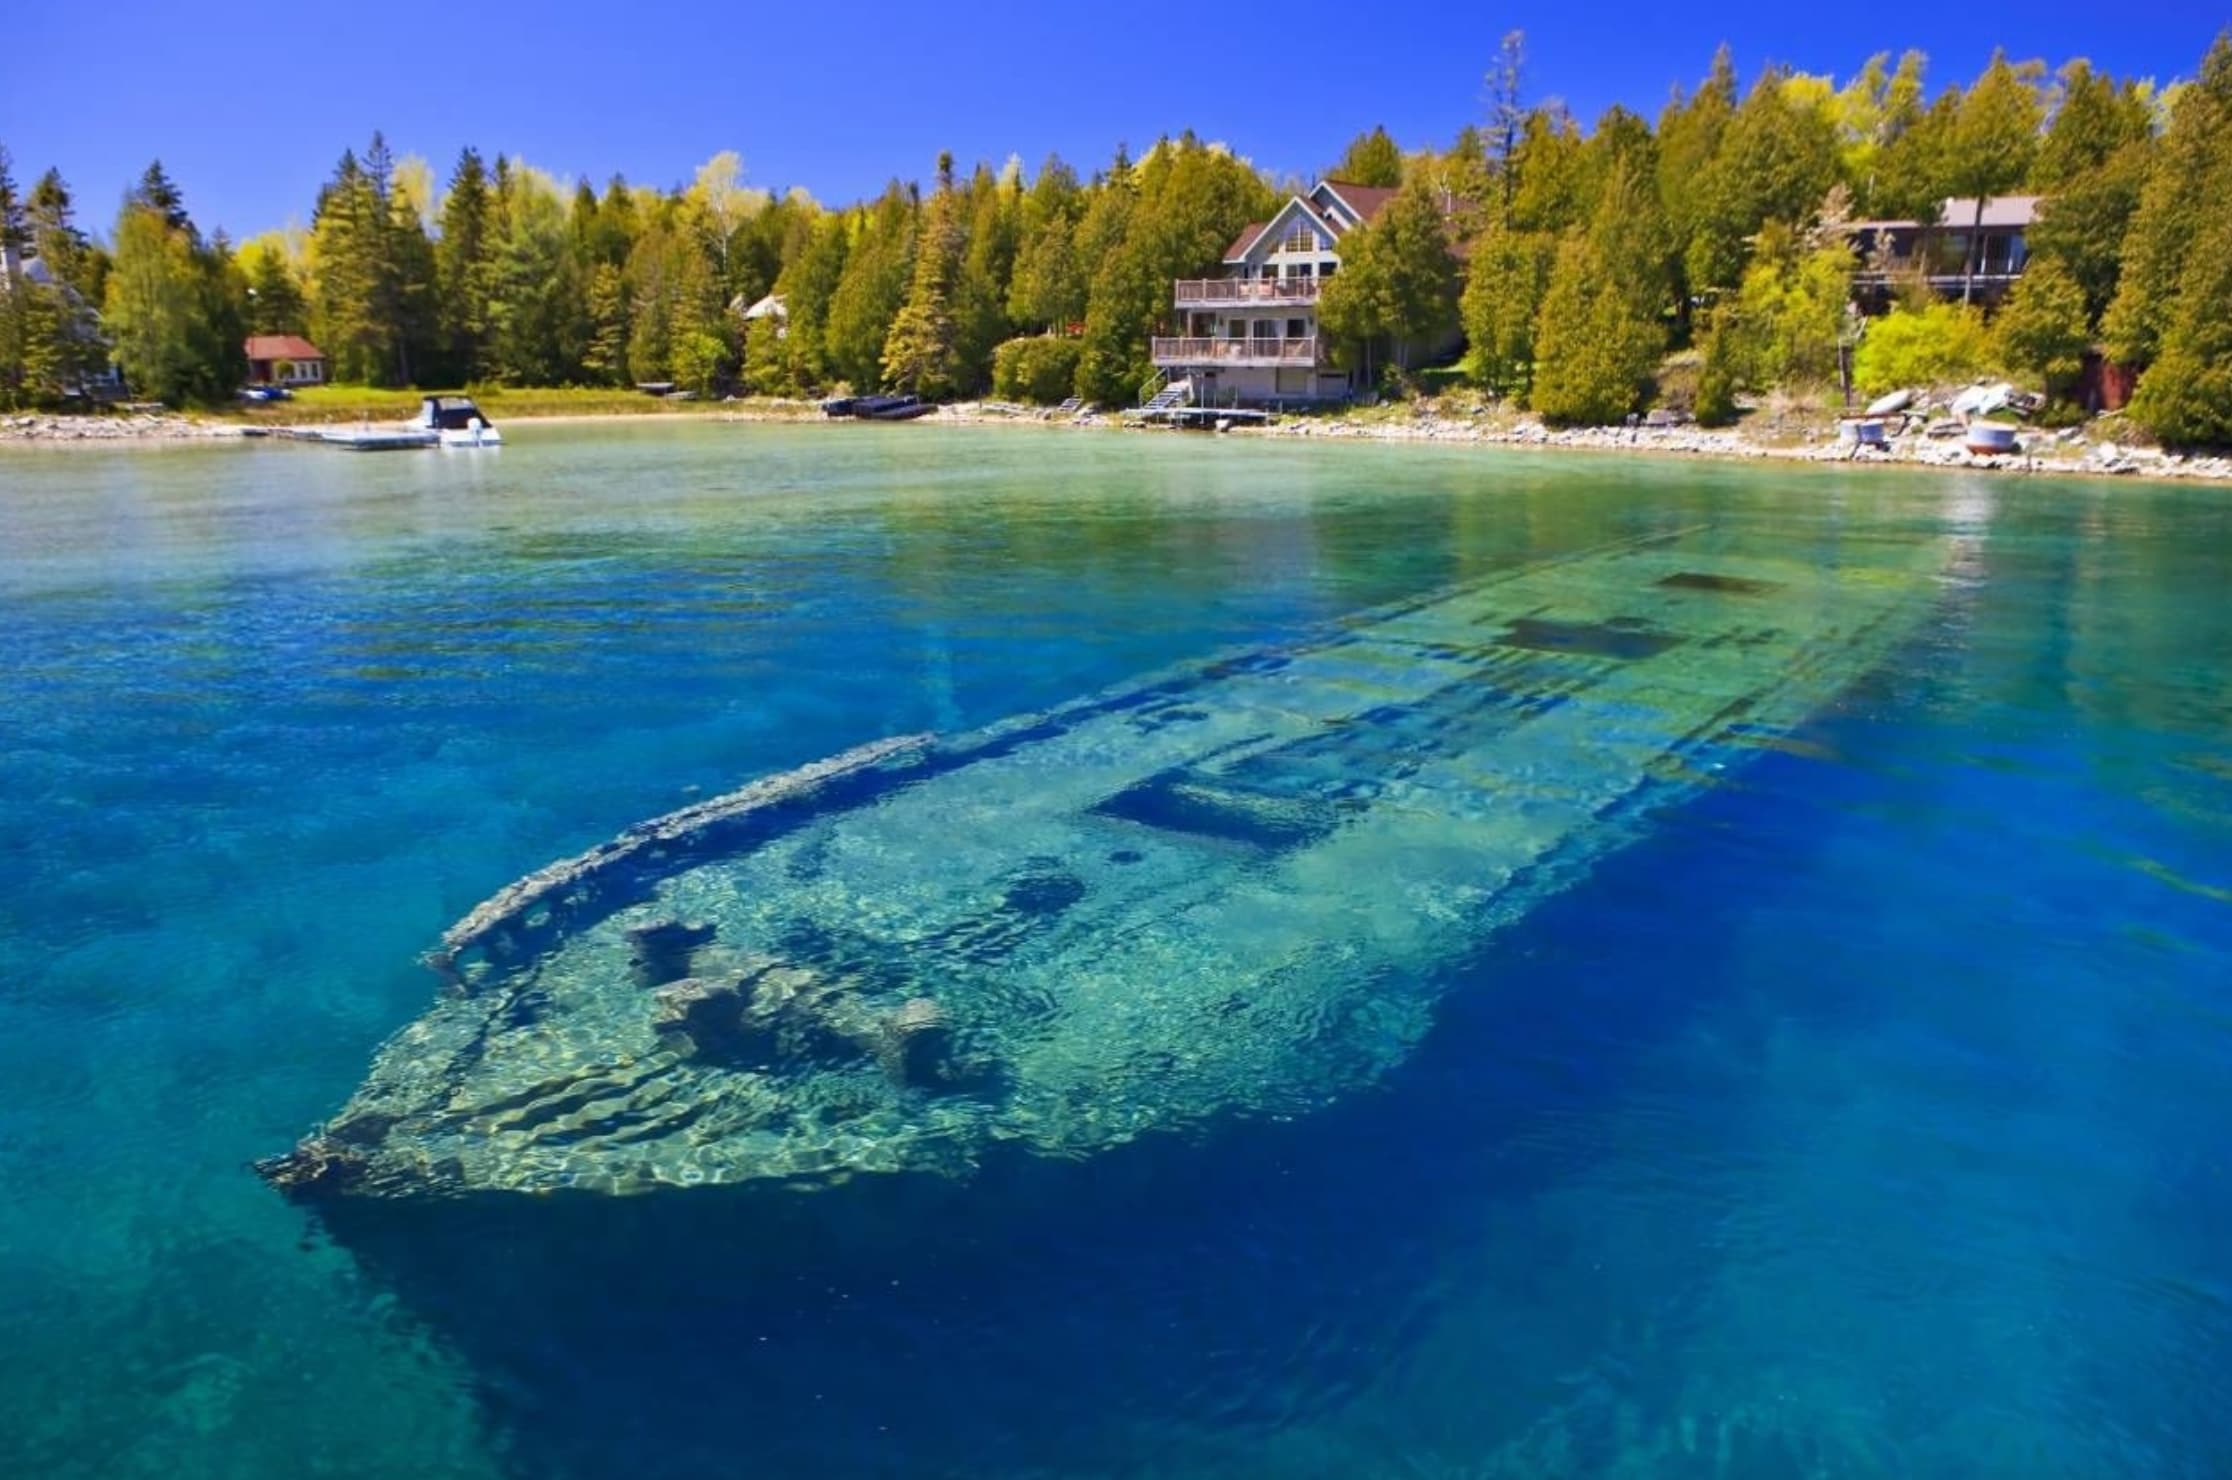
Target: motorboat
(456, 422)
(1232, 888)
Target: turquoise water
(1863, 1117)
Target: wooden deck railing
(1195, 292)
(1235, 351)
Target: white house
(1251, 336)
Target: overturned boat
(1224, 889)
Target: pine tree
(1370, 159)
(922, 352)
(2173, 207)
(1602, 328)
(879, 268)
(465, 268)
(2044, 328)
(605, 359)
(170, 309)
(2092, 166)
(1995, 138)
(276, 304)
(1398, 281)
(1777, 160)
(1509, 276)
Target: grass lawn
(340, 403)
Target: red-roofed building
(284, 359)
(1250, 336)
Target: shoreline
(2078, 456)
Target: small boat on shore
(1991, 439)
(456, 422)
(891, 408)
(839, 405)
(1236, 887)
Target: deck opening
(1705, 580)
(1624, 638)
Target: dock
(363, 438)
(1205, 418)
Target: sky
(250, 107)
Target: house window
(1298, 329)
(1299, 238)
(1236, 329)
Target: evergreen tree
(1777, 160)
(276, 304)
(2092, 166)
(69, 255)
(808, 283)
(1602, 327)
(1509, 276)
(2174, 206)
(922, 353)
(605, 357)
(1995, 138)
(878, 270)
(1689, 137)
(1398, 281)
(169, 307)
(1370, 159)
(2045, 327)
(465, 269)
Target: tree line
(1573, 258)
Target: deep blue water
(1868, 1117)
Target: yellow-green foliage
(1790, 310)
(1039, 368)
(1931, 346)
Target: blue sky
(250, 106)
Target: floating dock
(1206, 418)
(362, 438)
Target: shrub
(1038, 368)
(1932, 346)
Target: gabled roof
(282, 347)
(1366, 201)
(1256, 232)
(1245, 240)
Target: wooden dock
(362, 438)
(1206, 418)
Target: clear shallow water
(1865, 1118)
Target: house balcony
(1293, 292)
(1211, 353)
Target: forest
(1576, 259)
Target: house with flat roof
(284, 359)
(1939, 251)
(1250, 336)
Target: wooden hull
(1228, 889)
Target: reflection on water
(1861, 1118)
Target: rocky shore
(2070, 451)
(141, 426)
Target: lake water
(1866, 1116)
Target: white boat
(456, 422)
